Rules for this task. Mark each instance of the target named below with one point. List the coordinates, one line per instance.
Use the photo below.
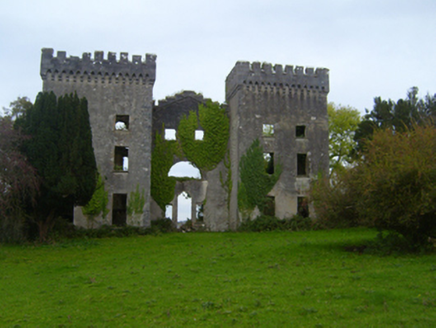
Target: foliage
(17, 108)
(334, 201)
(398, 116)
(204, 154)
(207, 153)
(392, 187)
(136, 202)
(255, 182)
(397, 176)
(271, 223)
(162, 157)
(343, 122)
(98, 203)
(227, 184)
(60, 149)
(18, 183)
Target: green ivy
(227, 183)
(205, 154)
(162, 186)
(136, 202)
(98, 202)
(255, 182)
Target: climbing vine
(207, 153)
(162, 186)
(98, 202)
(255, 182)
(136, 202)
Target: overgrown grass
(273, 279)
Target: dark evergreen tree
(399, 116)
(60, 149)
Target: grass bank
(274, 279)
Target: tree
(18, 183)
(60, 149)
(343, 122)
(17, 108)
(391, 187)
(399, 116)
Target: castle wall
(114, 90)
(261, 95)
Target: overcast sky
(372, 48)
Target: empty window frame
(268, 130)
(119, 209)
(300, 131)
(199, 134)
(303, 207)
(302, 168)
(170, 134)
(121, 160)
(122, 123)
(269, 162)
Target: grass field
(275, 279)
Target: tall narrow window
(119, 209)
(121, 160)
(269, 162)
(122, 123)
(302, 169)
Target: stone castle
(285, 108)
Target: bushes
(392, 187)
(271, 223)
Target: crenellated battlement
(245, 73)
(97, 68)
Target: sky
(372, 48)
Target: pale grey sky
(372, 48)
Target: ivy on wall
(136, 202)
(98, 202)
(162, 186)
(255, 182)
(207, 153)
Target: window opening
(119, 209)
(270, 206)
(302, 164)
(199, 134)
(184, 206)
(184, 170)
(121, 161)
(303, 207)
(199, 210)
(268, 130)
(122, 123)
(169, 212)
(300, 131)
(269, 162)
(170, 134)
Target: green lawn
(276, 279)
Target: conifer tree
(60, 149)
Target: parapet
(266, 74)
(98, 65)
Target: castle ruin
(283, 108)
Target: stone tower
(286, 109)
(120, 99)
